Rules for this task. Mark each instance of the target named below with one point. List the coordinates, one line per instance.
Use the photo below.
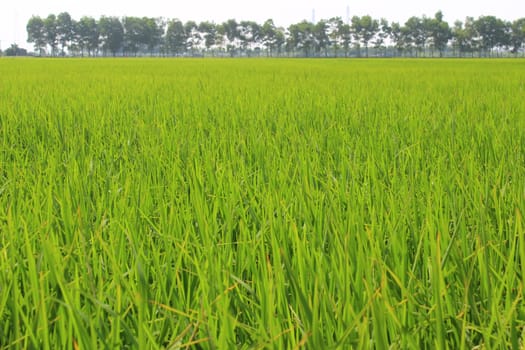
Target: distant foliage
(486, 36)
(14, 50)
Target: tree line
(361, 36)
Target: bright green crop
(262, 204)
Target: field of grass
(262, 204)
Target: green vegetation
(262, 204)
(486, 36)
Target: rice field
(262, 204)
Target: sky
(14, 14)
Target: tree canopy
(485, 36)
(15, 50)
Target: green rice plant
(262, 204)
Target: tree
(220, 38)
(15, 50)
(249, 34)
(334, 36)
(280, 40)
(383, 33)
(134, 34)
(345, 33)
(364, 29)
(493, 33)
(231, 31)
(269, 36)
(193, 36)
(440, 33)
(486, 35)
(322, 41)
(153, 29)
(86, 35)
(397, 37)
(272, 38)
(461, 41)
(64, 29)
(176, 37)
(517, 36)
(301, 37)
(111, 35)
(51, 33)
(209, 31)
(36, 34)
(415, 34)
(472, 34)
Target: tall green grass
(262, 204)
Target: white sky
(14, 14)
